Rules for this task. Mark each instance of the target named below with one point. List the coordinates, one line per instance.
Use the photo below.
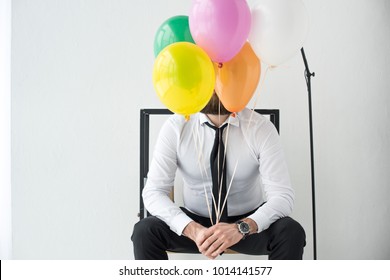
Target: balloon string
(228, 190)
(223, 167)
(250, 121)
(218, 170)
(200, 161)
(219, 210)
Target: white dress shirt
(253, 148)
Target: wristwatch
(243, 228)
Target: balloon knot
(220, 65)
(234, 115)
(187, 118)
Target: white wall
(349, 49)
(5, 131)
(81, 70)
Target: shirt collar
(232, 120)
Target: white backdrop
(81, 70)
(5, 130)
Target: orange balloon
(237, 79)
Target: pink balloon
(220, 27)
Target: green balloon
(174, 29)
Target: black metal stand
(308, 76)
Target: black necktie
(218, 172)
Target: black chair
(144, 145)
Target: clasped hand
(215, 240)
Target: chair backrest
(144, 144)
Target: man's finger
(208, 242)
(220, 250)
(214, 248)
(202, 237)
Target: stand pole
(308, 76)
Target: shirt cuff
(179, 222)
(261, 219)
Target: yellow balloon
(184, 78)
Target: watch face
(244, 227)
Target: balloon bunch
(218, 48)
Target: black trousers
(283, 240)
